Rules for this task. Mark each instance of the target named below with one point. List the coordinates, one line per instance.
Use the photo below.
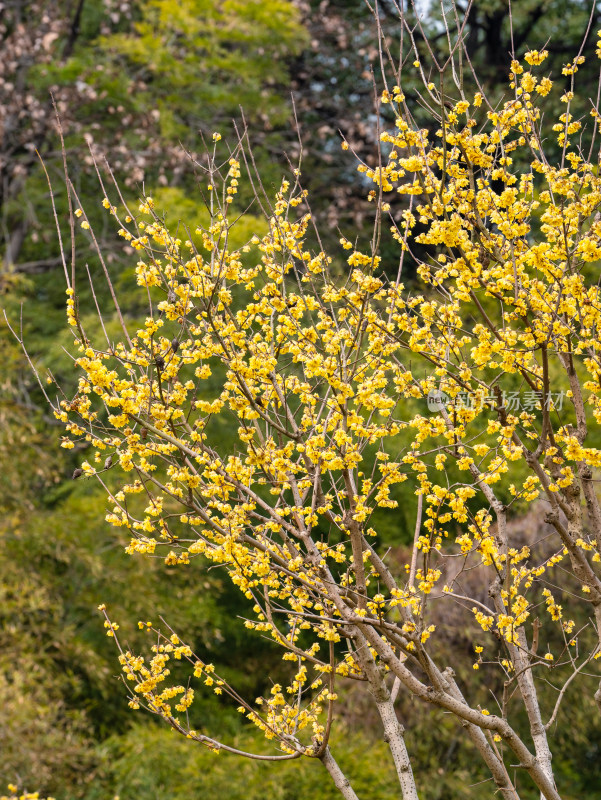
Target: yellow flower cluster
(338, 393)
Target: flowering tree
(478, 384)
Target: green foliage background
(65, 728)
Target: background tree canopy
(144, 85)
